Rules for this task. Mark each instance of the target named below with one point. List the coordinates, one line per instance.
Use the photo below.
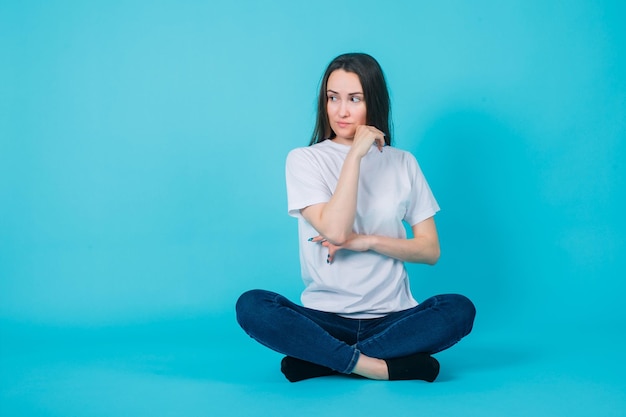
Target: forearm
(419, 249)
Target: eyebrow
(350, 94)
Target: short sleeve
(422, 204)
(305, 183)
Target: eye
(332, 98)
(355, 99)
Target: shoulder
(309, 153)
(300, 160)
(298, 156)
(403, 161)
(296, 153)
(401, 155)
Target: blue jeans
(336, 342)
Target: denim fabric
(336, 342)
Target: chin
(344, 133)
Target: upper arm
(306, 185)
(426, 228)
(313, 215)
(426, 232)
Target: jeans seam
(356, 353)
(353, 361)
(388, 328)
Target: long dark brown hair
(375, 92)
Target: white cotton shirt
(391, 189)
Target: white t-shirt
(391, 189)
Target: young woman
(351, 191)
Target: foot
(297, 370)
(371, 368)
(420, 366)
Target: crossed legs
(397, 346)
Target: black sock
(418, 366)
(296, 369)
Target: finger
(317, 239)
(331, 254)
(378, 137)
(380, 143)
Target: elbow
(337, 235)
(434, 259)
(434, 256)
(337, 239)
(426, 252)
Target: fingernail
(310, 239)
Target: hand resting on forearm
(423, 247)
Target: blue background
(142, 149)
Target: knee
(467, 313)
(463, 311)
(249, 306)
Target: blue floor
(208, 367)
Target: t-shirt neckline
(341, 147)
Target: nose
(343, 109)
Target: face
(345, 104)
